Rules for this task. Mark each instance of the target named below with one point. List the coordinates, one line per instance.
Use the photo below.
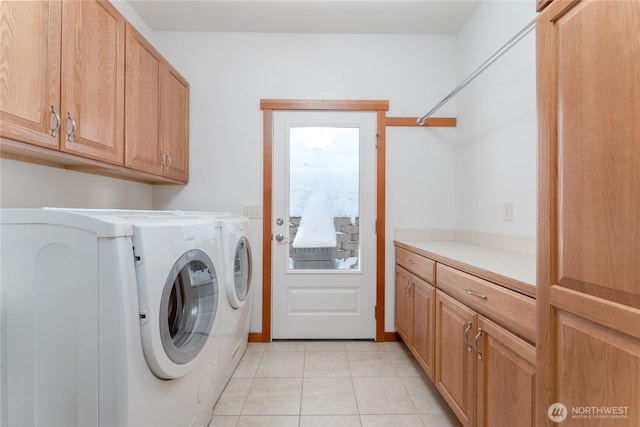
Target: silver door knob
(280, 238)
(279, 221)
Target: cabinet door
(174, 123)
(505, 380)
(589, 199)
(455, 364)
(424, 296)
(143, 147)
(30, 70)
(403, 305)
(596, 367)
(93, 80)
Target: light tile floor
(326, 383)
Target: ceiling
(307, 16)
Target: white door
(324, 206)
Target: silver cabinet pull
(73, 127)
(163, 159)
(466, 336)
(475, 294)
(475, 343)
(168, 161)
(279, 221)
(409, 291)
(54, 130)
(409, 261)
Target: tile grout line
(253, 380)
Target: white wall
(26, 185)
(229, 74)
(497, 133)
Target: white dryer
(107, 319)
(235, 306)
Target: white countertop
(513, 265)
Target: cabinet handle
(406, 288)
(466, 336)
(54, 130)
(475, 343)
(409, 261)
(73, 127)
(475, 294)
(168, 161)
(409, 291)
(163, 159)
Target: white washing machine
(108, 319)
(235, 306)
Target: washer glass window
(242, 269)
(188, 306)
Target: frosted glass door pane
(324, 198)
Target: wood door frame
(380, 107)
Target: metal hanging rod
(530, 26)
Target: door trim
(268, 106)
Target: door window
(324, 197)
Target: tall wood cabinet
(72, 98)
(157, 105)
(589, 213)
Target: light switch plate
(507, 211)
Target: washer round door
(241, 273)
(188, 308)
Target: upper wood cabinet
(174, 130)
(30, 71)
(77, 102)
(156, 113)
(92, 101)
(64, 71)
(589, 202)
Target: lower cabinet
(484, 372)
(505, 378)
(424, 327)
(455, 361)
(470, 337)
(415, 320)
(403, 305)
